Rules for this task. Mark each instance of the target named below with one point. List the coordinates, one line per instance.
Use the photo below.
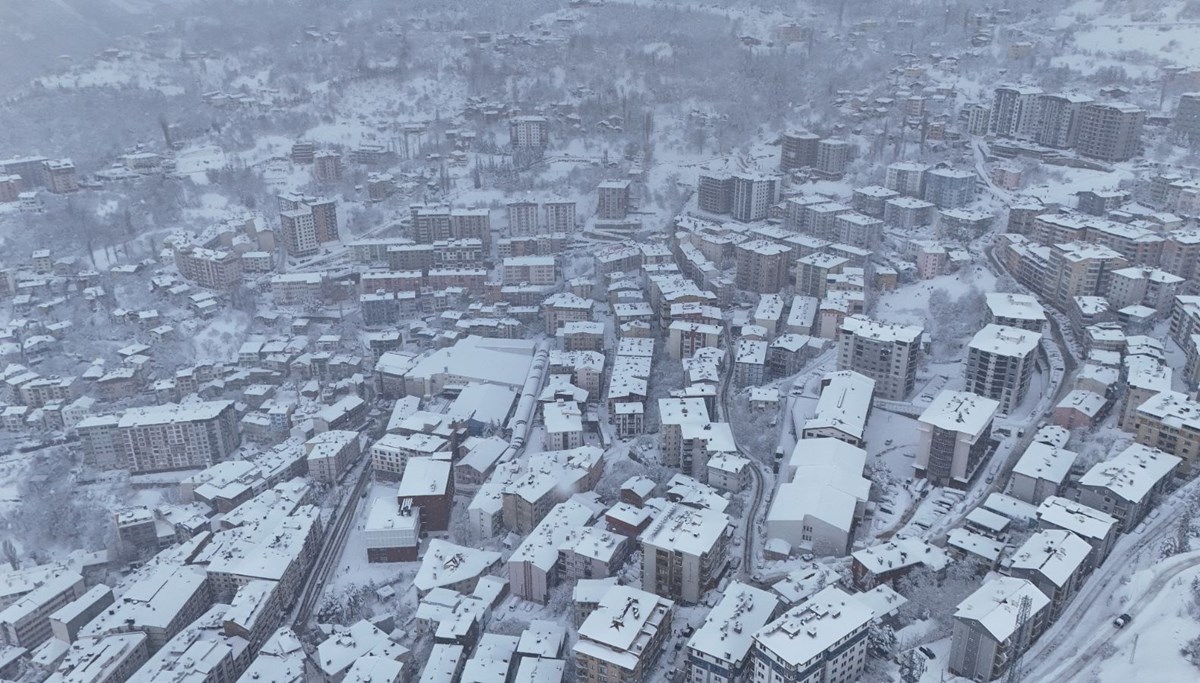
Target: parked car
(1120, 621)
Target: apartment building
(26, 622)
(885, 352)
(1110, 131)
(833, 155)
(955, 436)
(210, 268)
(522, 218)
(1170, 421)
(1056, 562)
(949, 188)
(751, 196)
(1000, 364)
(306, 223)
(528, 132)
(622, 638)
(613, 200)
(533, 270)
(684, 552)
(762, 266)
(560, 216)
(714, 192)
(823, 638)
(988, 632)
(719, 651)
(170, 437)
(906, 178)
(1126, 484)
(1059, 116)
(1016, 111)
(798, 149)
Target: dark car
(1120, 621)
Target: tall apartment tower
(613, 200)
(885, 352)
(752, 196)
(714, 192)
(528, 132)
(522, 218)
(832, 156)
(906, 178)
(949, 188)
(1058, 119)
(1000, 362)
(1015, 111)
(798, 150)
(560, 216)
(1111, 131)
(306, 223)
(1187, 117)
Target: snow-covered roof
(844, 404)
(728, 631)
(687, 530)
(995, 605)
(862, 326)
(975, 544)
(622, 626)
(446, 564)
(1053, 553)
(1046, 462)
(1006, 341)
(1087, 402)
(899, 553)
(960, 411)
(1132, 473)
(815, 626)
(1083, 520)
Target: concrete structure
(620, 641)
(822, 639)
(684, 552)
(887, 353)
(1000, 364)
(987, 634)
(1110, 131)
(955, 437)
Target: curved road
(1046, 659)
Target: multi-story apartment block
(823, 638)
(1187, 116)
(60, 176)
(762, 266)
(1016, 111)
(1110, 131)
(1170, 422)
(988, 631)
(832, 157)
(1022, 311)
(798, 149)
(170, 437)
(534, 270)
(719, 651)
(751, 196)
(306, 223)
(674, 415)
(1059, 118)
(613, 200)
(908, 212)
(949, 188)
(955, 436)
(1079, 269)
(214, 269)
(1126, 484)
(528, 132)
(714, 192)
(621, 640)
(814, 270)
(906, 178)
(1000, 363)
(684, 552)
(1056, 562)
(560, 216)
(26, 622)
(522, 218)
(887, 353)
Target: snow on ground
(195, 161)
(909, 305)
(220, 339)
(1168, 620)
(137, 72)
(354, 554)
(1069, 181)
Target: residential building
(843, 408)
(1000, 364)
(833, 155)
(798, 149)
(751, 196)
(685, 552)
(1187, 116)
(955, 437)
(614, 200)
(528, 132)
(989, 633)
(1059, 117)
(1016, 111)
(1022, 311)
(719, 650)
(949, 188)
(823, 638)
(885, 352)
(1056, 562)
(622, 638)
(1125, 485)
(714, 192)
(1110, 131)
(762, 266)
(1170, 421)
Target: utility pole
(1019, 642)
